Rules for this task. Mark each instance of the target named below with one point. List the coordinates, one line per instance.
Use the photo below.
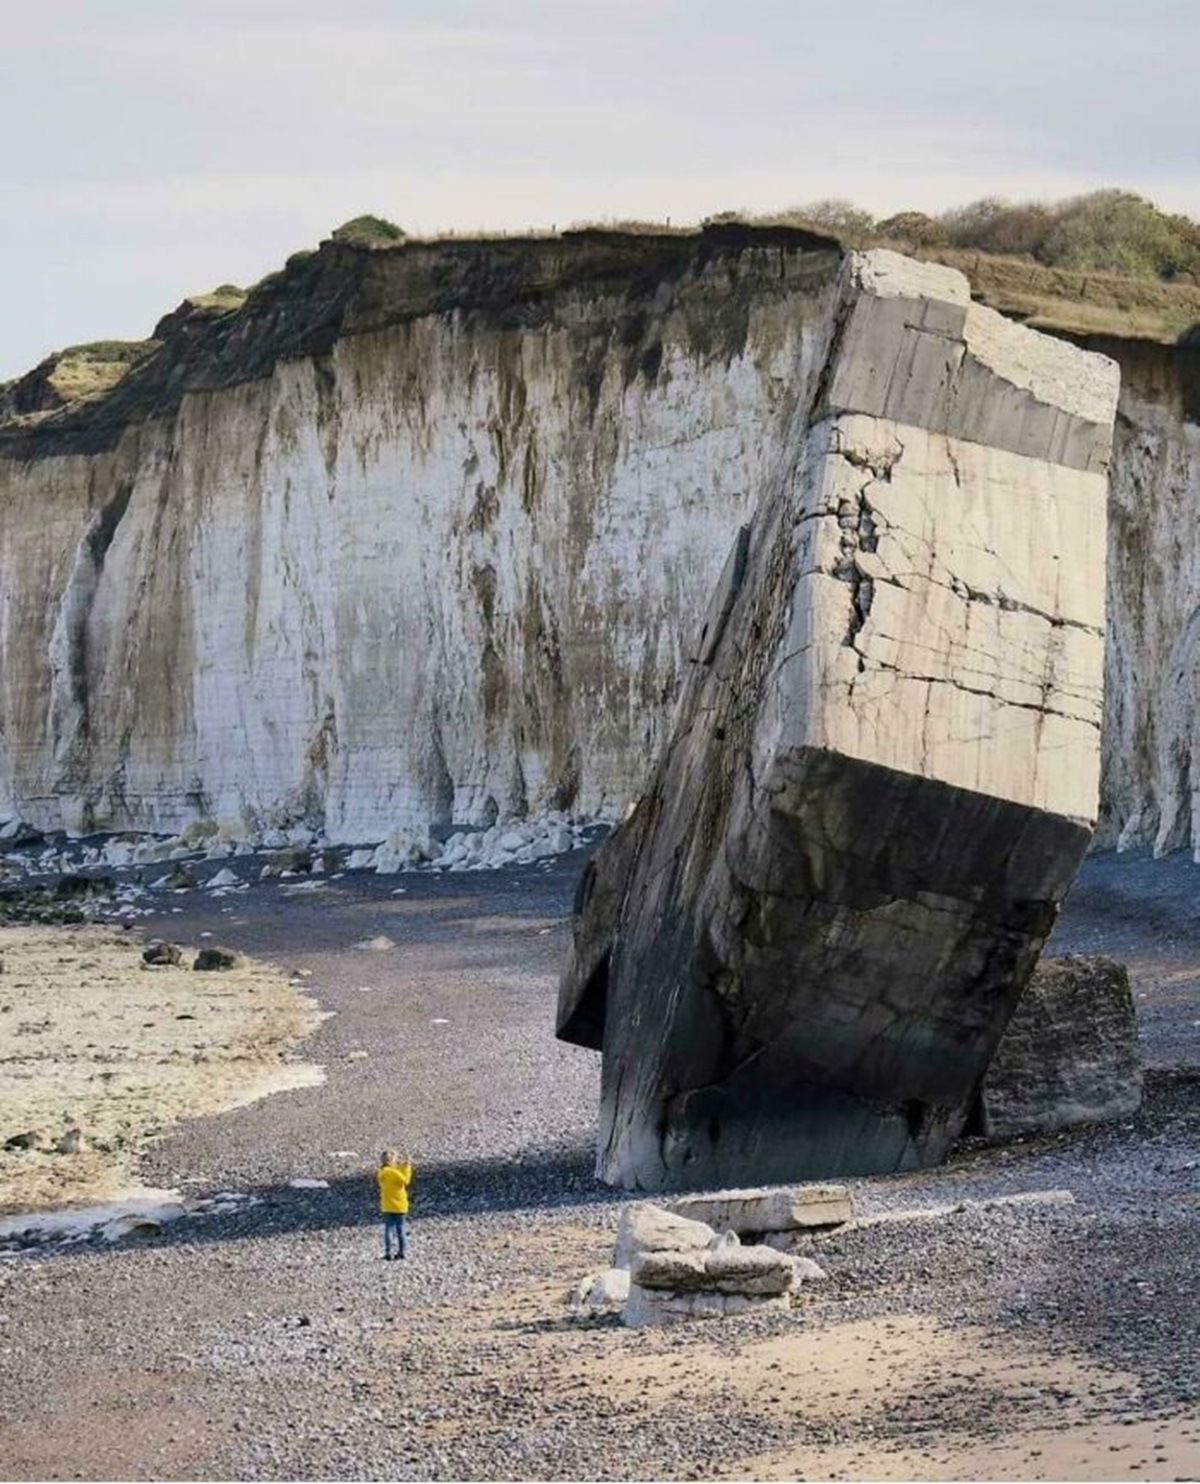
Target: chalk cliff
(414, 535)
(424, 533)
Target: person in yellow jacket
(394, 1177)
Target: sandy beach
(101, 1053)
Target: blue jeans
(393, 1221)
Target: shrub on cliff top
(369, 231)
(1105, 231)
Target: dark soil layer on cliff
(273, 1342)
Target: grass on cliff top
(225, 297)
(90, 370)
(1075, 302)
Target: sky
(156, 148)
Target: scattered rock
(71, 1142)
(30, 1139)
(602, 1292)
(76, 887)
(158, 951)
(215, 958)
(379, 944)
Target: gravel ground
(272, 1342)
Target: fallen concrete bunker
(800, 951)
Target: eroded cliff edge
(426, 533)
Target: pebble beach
(262, 1336)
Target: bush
(369, 231)
(838, 218)
(913, 227)
(1107, 232)
(1118, 232)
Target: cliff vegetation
(1105, 264)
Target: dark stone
(215, 958)
(159, 952)
(1069, 1055)
(76, 887)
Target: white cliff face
(438, 575)
(456, 566)
(1151, 766)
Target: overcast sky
(154, 148)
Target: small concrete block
(750, 1212)
(650, 1228)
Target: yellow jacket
(393, 1187)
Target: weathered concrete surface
(884, 770)
(722, 1278)
(752, 1212)
(647, 1228)
(1069, 1054)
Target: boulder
(649, 1228)
(159, 952)
(799, 954)
(752, 1212)
(77, 887)
(27, 1139)
(725, 1269)
(601, 1293)
(1069, 1054)
(215, 958)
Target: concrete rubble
(753, 1212)
(799, 953)
(1070, 1052)
(668, 1266)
